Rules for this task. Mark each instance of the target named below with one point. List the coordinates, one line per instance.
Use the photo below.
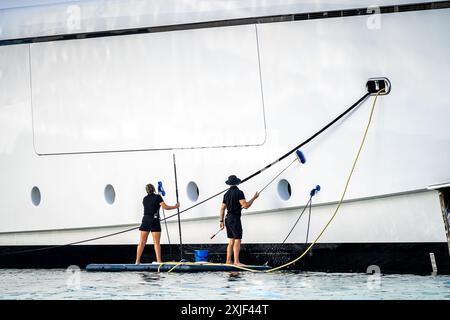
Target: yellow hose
(329, 221)
(203, 263)
(343, 193)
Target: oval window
(110, 194)
(284, 189)
(192, 191)
(35, 196)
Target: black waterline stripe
(390, 257)
(235, 22)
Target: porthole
(284, 189)
(192, 191)
(110, 194)
(35, 196)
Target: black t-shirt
(231, 199)
(151, 204)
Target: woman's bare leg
(156, 243)
(230, 251)
(141, 246)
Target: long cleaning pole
(178, 209)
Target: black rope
(301, 214)
(310, 138)
(68, 244)
(309, 221)
(220, 192)
(197, 204)
(193, 248)
(283, 156)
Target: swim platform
(169, 266)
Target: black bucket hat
(233, 180)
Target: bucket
(201, 255)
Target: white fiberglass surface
(311, 71)
(326, 64)
(184, 89)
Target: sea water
(74, 283)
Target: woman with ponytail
(150, 222)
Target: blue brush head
(300, 156)
(314, 191)
(161, 189)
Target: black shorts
(234, 226)
(149, 223)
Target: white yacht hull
(77, 115)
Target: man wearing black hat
(234, 201)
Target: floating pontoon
(174, 267)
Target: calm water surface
(75, 284)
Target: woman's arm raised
(167, 207)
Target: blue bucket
(201, 255)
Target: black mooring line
(285, 155)
(310, 138)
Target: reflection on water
(234, 276)
(150, 276)
(60, 284)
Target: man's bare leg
(237, 248)
(230, 251)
